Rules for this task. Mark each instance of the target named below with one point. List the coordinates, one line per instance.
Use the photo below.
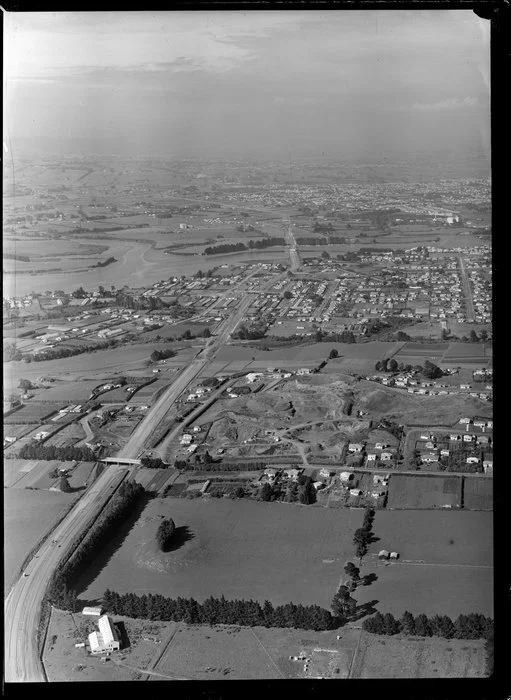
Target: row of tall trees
(215, 611)
(364, 535)
(60, 591)
(164, 354)
(52, 452)
(262, 243)
(472, 626)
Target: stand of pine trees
(60, 592)
(472, 626)
(215, 611)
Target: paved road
(469, 301)
(23, 604)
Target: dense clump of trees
(238, 247)
(249, 332)
(153, 462)
(214, 611)
(61, 454)
(60, 592)
(164, 533)
(164, 354)
(471, 626)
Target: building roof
(95, 641)
(106, 629)
(91, 611)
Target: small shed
(383, 554)
(394, 555)
(92, 611)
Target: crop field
(424, 491)
(239, 549)
(416, 657)
(28, 516)
(478, 493)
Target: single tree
(333, 354)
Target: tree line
(471, 626)
(364, 535)
(54, 453)
(60, 593)
(224, 248)
(216, 611)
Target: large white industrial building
(107, 639)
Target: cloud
(451, 103)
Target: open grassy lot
(455, 537)
(34, 412)
(416, 657)
(478, 493)
(236, 548)
(28, 516)
(73, 392)
(445, 563)
(424, 491)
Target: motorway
(467, 291)
(23, 604)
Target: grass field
(28, 515)
(445, 563)
(33, 413)
(478, 493)
(236, 548)
(424, 491)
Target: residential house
(355, 447)
(346, 476)
(472, 460)
(356, 492)
(386, 456)
(371, 457)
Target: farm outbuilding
(92, 611)
(383, 554)
(394, 555)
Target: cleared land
(236, 548)
(424, 491)
(478, 493)
(415, 657)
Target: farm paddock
(238, 548)
(28, 517)
(161, 651)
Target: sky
(263, 84)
